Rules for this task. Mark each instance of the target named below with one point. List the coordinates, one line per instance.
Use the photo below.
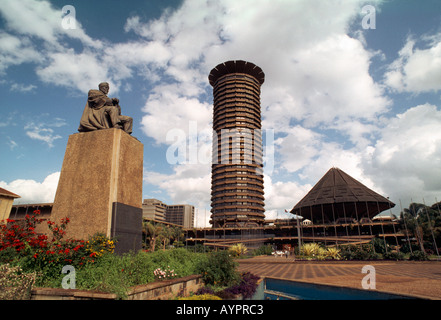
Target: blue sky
(335, 94)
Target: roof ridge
(315, 196)
(5, 192)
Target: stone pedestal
(102, 171)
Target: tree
(152, 232)
(165, 235)
(424, 223)
(176, 235)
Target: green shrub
(263, 250)
(380, 246)
(359, 252)
(418, 255)
(393, 255)
(219, 269)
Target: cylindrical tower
(237, 168)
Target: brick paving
(418, 279)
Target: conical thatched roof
(337, 195)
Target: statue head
(104, 87)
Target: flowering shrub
(164, 274)
(247, 286)
(99, 244)
(20, 242)
(204, 290)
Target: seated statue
(102, 112)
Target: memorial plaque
(126, 227)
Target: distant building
(19, 211)
(181, 214)
(6, 199)
(153, 209)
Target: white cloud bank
(417, 70)
(32, 191)
(408, 155)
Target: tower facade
(237, 197)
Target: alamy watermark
(368, 21)
(369, 281)
(225, 146)
(68, 20)
(68, 281)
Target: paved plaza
(418, 279)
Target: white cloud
(188, 183)
(40, 19)
(42, 134)
(298, 148)
(406, 160)
(316, 76)
(12, 144)
(43, 131)
(319, 76)
(167, 109)
(416, 70)
(32, 191)
(20, 87)
(282, 195)
(15, 51)
(30, 21)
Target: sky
(348, 83)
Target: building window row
(231, 86)
(238, 78)
(234, 107)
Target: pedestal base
(100, 168)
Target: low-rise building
(181, 214)
(6, 199)
(153, 209)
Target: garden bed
(159, 290)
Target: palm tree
(165, 235)
(424, 223)
(152, 231)
(176, 234)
